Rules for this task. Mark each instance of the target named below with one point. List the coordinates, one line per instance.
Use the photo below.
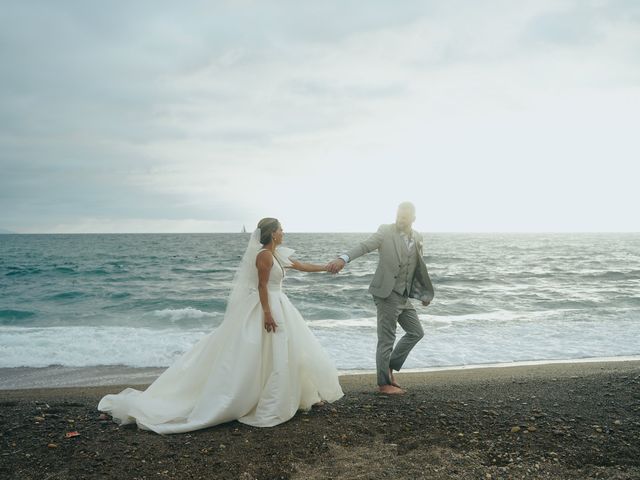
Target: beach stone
(39, 419)
(515, 429)
(52, 445)
(532, 428)
(617, 422)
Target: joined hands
(336, 265)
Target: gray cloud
(73, 183)
(579, 23)
(101, 102)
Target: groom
(401, 274)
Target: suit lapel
(397, 240)
(418, 244)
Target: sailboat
(244, 229)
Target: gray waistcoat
(408, 265)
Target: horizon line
(336, 231)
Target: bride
(260, 366)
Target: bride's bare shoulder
(264, 257)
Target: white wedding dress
(238, 371)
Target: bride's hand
(269, 323)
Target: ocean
(142, 300)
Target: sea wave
(89, 346)
(176, 315)
(68, 295)
(14, 317)
(498, 297)
(20, 271)
(351, 345)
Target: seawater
(142, 300)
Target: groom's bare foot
(390, 390)
(393, 379)
(319, 404)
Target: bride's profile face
(278, 235)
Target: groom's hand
(335, 265)
(425, 303)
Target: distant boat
(244, 229)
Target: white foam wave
(351, 343)
(89, 346)
(348, 323)
(494, 316)
(466, 343)
(188, 313)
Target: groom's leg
(409, 321)
(387, 309)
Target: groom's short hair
(407, 206)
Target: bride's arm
(307, 267)
(264, 262)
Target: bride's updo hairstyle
(267, 226)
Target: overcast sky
(150, 116)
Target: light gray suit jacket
(388, 242)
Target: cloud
(218, 113)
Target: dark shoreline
(55, 376)
(559, 421)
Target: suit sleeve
(369, 245)
(421, 240)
